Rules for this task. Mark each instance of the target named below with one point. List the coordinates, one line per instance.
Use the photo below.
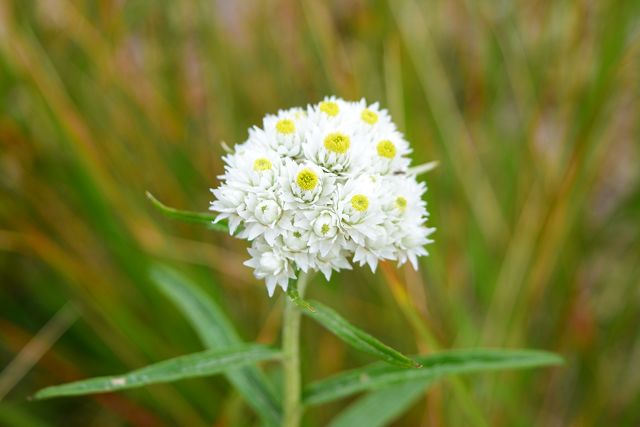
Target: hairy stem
(291, 356)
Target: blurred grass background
(532, 109)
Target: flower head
(317, 188)
(335, 147)
(305, 185)
(283, 132)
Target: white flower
(252, 167)
(358, 209)
(283, 133)
(305, 184)
(317, 187)
(330, 110)
(406, 213)
(336, 260)
(295, 244)
(372, 251)
(263, 216)
(230, 203)
(337, 148)
(411, 243)
(388, 153)
(249, 171)
(325, 234)
(371, 118)
(269, 263)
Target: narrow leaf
(378, 376)
(381, 407)
(202, 364)
(209, 321)
(216, 331)
(188, 216)
(352, 335)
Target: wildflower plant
(315, 189)
(320, 188)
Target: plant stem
(291, 356)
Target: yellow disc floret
(330, 108)
(360, 202)
(261, 164)
(386, 149)
(325, 229)
(369, 116)
(307, 179)
(337, 142)
(285, 126)
(401, 203)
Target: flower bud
(325, 226)
(295, 241)
(271, 263)
(267, 212)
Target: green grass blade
(352, 335)
(379, 376)
(216, 331)
(381, 407)
(209, 321)
(202, 364)
(188, 216)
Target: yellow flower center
(285, 126)
(325, 229)
(307, 179)
(261, 164)
(386, 149)
(401, 203)
(360, 202)
(337, 142)
(329, 108)
(369, 116)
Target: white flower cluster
(318, 186)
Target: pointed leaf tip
(202, 364)
(203, 218)
(379, 376)
(352, 335)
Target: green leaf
(379, 408)
(379, 376)
(205, 363)
(216, 331)
(188, 216)
(209, 321)
(350, 334)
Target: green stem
(291, 356)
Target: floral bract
(320, 187)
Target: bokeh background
(532, 109)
